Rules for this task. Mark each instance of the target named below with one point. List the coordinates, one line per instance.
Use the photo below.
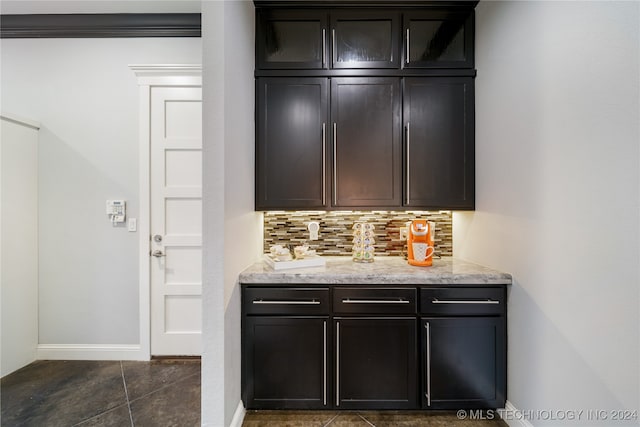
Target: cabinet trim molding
(100, 25)
(366, 3)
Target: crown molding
(103, 25)
(167, 74)
(165, 69)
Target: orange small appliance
(420, 243)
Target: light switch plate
(313, 227)
(132, 225)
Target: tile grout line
(366, 420)
(126, 394)
(97, 415)
(331, 420)
(164, 386)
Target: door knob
(157, 238)
(157, 253)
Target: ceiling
(9, 7)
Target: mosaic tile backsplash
(335, 236)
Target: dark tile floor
(161, 393)
(89, 393)
(369, 419)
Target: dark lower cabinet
(286, 363)
(464, 347)
(463, 362)
(368, 347)
(375, 363)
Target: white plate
(314, 261)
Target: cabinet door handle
(408, 162)
(324, 159)
(287, 302)
(324, 46)
(335, 163)
(333, 46)
(337, 363)
(375, 301)
(428, 367)
(324, 363)
(407, 45)
(487, 301)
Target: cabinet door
(464, 362)
(439, 142)
(285, 363)
(365, 39)
(438, 39)
(291, 142)
(375, 363)
(366, 167)
(291, 39)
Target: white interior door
(176, 221)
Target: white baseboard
(238, 416)
(90, 352)
(512, 416)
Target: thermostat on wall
(116, 209)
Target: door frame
(150, 76)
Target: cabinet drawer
(462, 301)
(374, 300)
(309, 301)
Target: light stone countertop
(383, 271)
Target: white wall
(86, 98)
(19, 243)
(558, 192)
(232, 228)
(213, 232)
(243, 226)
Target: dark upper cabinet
(375, 363)
(365, 107)
(438, 39)
(291, 39)
(365, 39)
(366, 141)
(464, 362)
(439, 142)
(291, 145)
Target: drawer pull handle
(291, 302)
(375, 301)
(488, 301)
